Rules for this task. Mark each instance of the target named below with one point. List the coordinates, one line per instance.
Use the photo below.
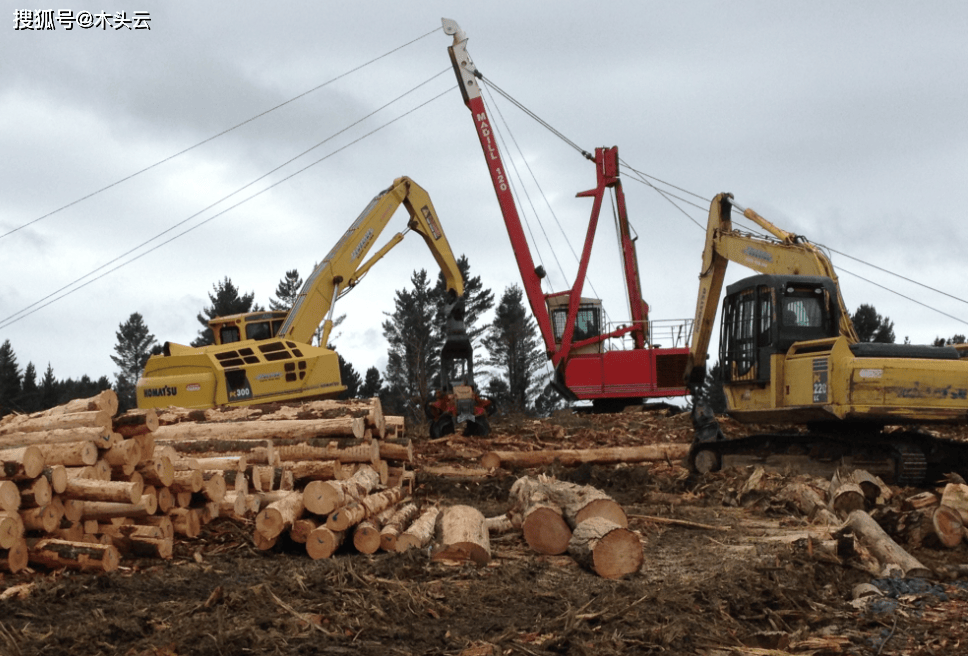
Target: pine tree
(287, 291)
(872, 327)
(29, 392)
(10, 380)
(514, 348)
(133, 349)
(350, 378)
(372, 382)
(413, 359)
(48, 389)
(225, 301)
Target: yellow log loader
(264, 357)
(790, 356)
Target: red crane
(571, 325)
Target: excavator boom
(269, 356)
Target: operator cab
(767, 314)
(252, 325)
(588, 320)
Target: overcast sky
(844, 122)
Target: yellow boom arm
(787, 253)
(343, 267)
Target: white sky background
(845, 122)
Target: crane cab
(588, 321)
(766, 314)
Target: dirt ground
(729, 576)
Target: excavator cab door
(748, 334)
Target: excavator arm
(344, 265)
(785, 253)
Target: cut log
(399, 521)
(104, 510)
(186, 522)
(260, 430)
(809, 501)
(190, 481)
(949, 526)
(106, 400)
(301, 528)
(36, 492)
(101, 437)
(159, 472)
(57, 477)
(571, 457)
(9, 496)
(43, 519)
(894, 560)
(279, 515)
(844, 495)
(56, 554)
(604, 547)
(21, 463)
(366, 534)
(136, 422)
(365, 452)
(580, 502)
(324, 497)
(232, 505)
(124, 455)
(37, 424)
(214, 486)
(71, 509)
(499, 524)
(323, 542)
(14, 558)
(955, 496)
(355, 512)
(920, 501)
(223, 463)
(420, 532)
(318, 470)
(70, 454)
(463, 536)
(11, 529)
(116, 491)
(396, 451)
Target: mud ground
(727, 577)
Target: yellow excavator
(790, 356)
(264, 357)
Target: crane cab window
(588, 322)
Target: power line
(216, 136)
(54, 297)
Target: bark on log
(499, 524)
(399, 521)
(291, 429)
(571, 457)
(323, 542)
(323, 497)
(57, 554)
(279, 515)
(463, 536)
(604, 547)
(355, 512)
(420, 532)
(578, 502)
(895, 561)
(809, 501)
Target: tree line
(414, 331)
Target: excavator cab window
(806, 314)
(229, 334)
(258, 330)
(748, 326)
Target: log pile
(556, 517)
(81, 486)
